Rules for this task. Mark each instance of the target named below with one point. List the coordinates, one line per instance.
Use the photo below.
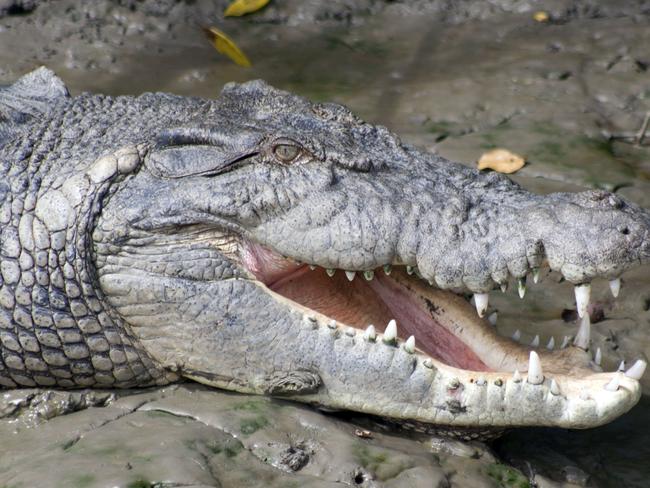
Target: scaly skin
(131, 229)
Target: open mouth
(392, 305)
(382, 299)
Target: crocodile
(265, 244)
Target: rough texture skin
(55, 327)
(118, 266)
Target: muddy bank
(188, 435)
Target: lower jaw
(445, 326)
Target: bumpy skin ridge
(55, 328)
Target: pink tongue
(430, 336)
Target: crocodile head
(271, 245)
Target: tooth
(350, 331)
(637, 370)
(535, 341)
(330, 272)
(368, 275)
(409, 345)
(387, 269)
(504, 287)
(370, 334)
(312, 267)
(613, 385)
(481, 381)
(551, 344)
(615, 286)
(481, 302)
(555, 388)
(410, 270)
(598, 357)
(311, 321)
(535, 275)
(621, 367)
(521, 287)
(350, 275)
(584, 333)
(516, 377)
(582, 298)
(332, 324)
(517, 335)
(427, 363)
(535, 374)
(390, 334)
(492, 318)
(565, 342)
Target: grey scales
(265, 244)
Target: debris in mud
(225, 45)
(501, 160)
(541, 16)
(364, 434)
(295, 458)
(243, 7)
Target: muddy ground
(455, 77)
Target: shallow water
(552, 92)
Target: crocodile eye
(286, 152)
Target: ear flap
(201, 151)
(30, 96)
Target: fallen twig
(635, 137)
(643, 130)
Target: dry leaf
(541, 16)
(243, 7)
(225, 45)
(501, 160)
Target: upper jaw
(473, 242)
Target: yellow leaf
(501, 160)
(541, 16)
(243, 7)
(225, 45)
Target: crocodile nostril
(624, 230)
